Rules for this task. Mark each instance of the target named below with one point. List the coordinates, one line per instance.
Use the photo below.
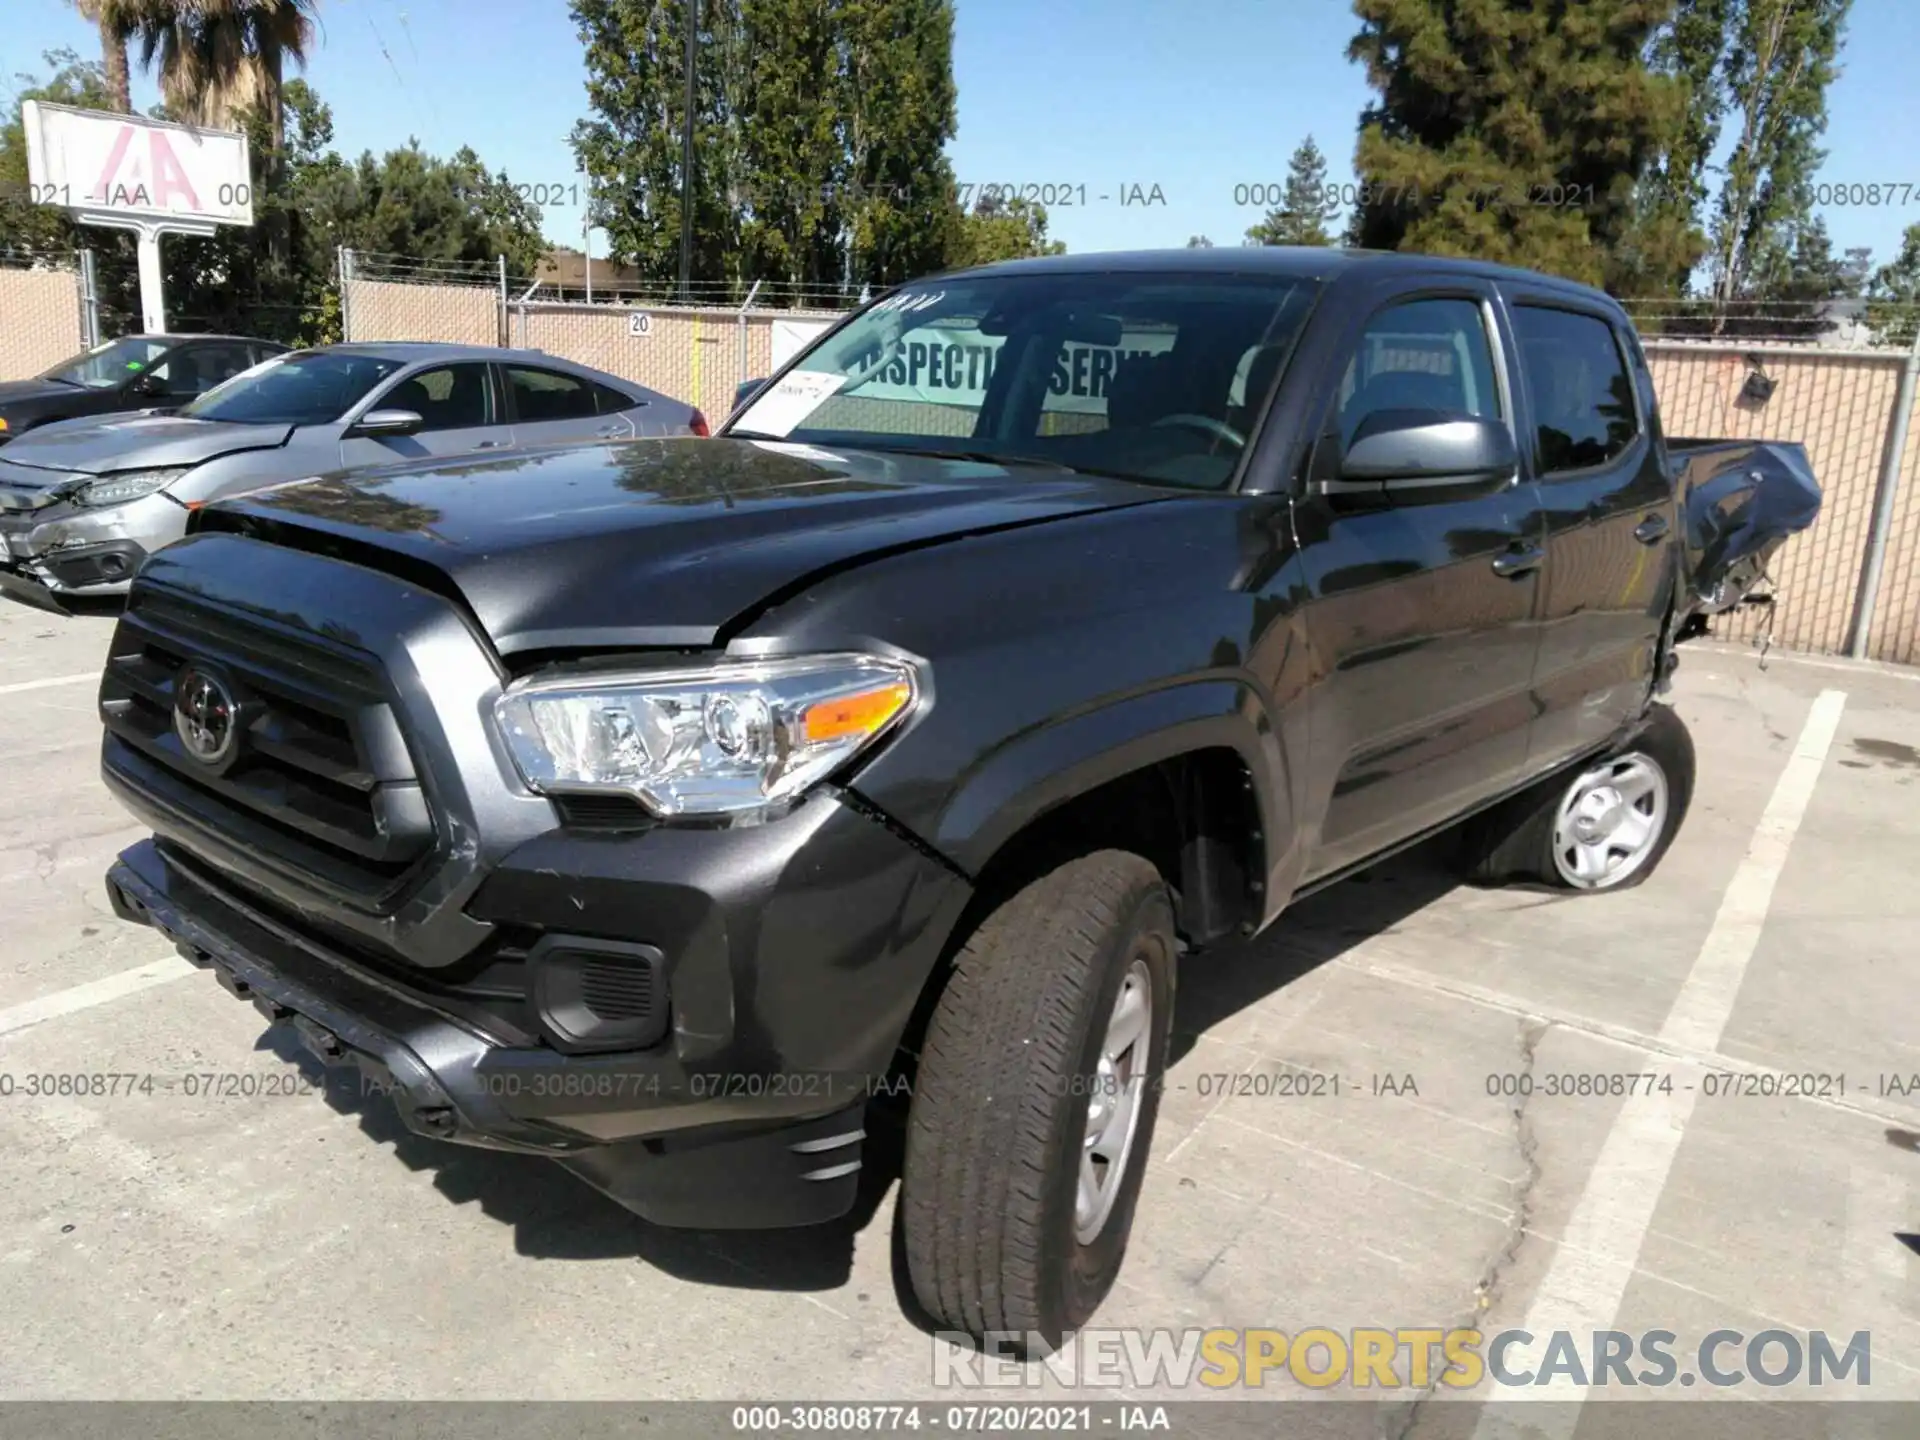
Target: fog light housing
(594, 995)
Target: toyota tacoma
(656, 807)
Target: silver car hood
(54, 453)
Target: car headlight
(127, 485)
(731, 738)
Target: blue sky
(1193, 96)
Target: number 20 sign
(640, 324)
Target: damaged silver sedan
(84, 502)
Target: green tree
(820, 133)
(1780, 60)
(1000, 229)
(898, 108)
(1199, 242)
(1303, 212)
(630, 146)
(792, 157)
(1893, 294)
(1675, 187)
(1517, 131)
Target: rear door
(1421, 609)
(1609, 510)
(457, 404)
(552, 407)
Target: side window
(548, 395)
(1420, 355)
(1578, 382)
(610, 401)
(453, 397)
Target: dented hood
(651, 542)
(103, 443)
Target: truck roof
(1305, 262)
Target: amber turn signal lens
(860, 714)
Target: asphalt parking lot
(167, 1245)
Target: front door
(1421, 607)
(455, 404)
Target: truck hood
(651, 542)
(102, 443)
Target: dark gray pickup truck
(665, 808)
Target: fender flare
(1035, 771)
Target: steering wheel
(1206, 425)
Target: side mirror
(147, 384)
(389, 422)
(1415, 450)
(746, 390)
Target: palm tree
(118, 21)
(220, 57)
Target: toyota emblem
(205, 715)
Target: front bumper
(61, 551)
(748, 1114)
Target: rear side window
(547, 395)
(1581, 390)
(611, 401)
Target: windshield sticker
(940, 365)
(908, 301)
(797, 395)
(135, 365)
(800, 452)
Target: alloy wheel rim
(1610, 822)
(1113, 1104)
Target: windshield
(311, 387)
(1156, 377)
(106, 366)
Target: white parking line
(95, 992)
(1600, 1246)
(20, 687)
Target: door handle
(1517, 561)
(1653, 528)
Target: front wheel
(1034, 1103)
(1603, 827)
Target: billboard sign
(127, 169)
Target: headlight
(127, 485)
(731, 738)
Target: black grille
(320, 779)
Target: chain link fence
(45, 311)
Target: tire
(1552, 834)
(996, 1244)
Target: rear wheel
(1604, 827)
(1034, 1103)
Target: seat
(411, 395)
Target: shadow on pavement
(556, 1216)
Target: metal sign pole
(153, 291)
